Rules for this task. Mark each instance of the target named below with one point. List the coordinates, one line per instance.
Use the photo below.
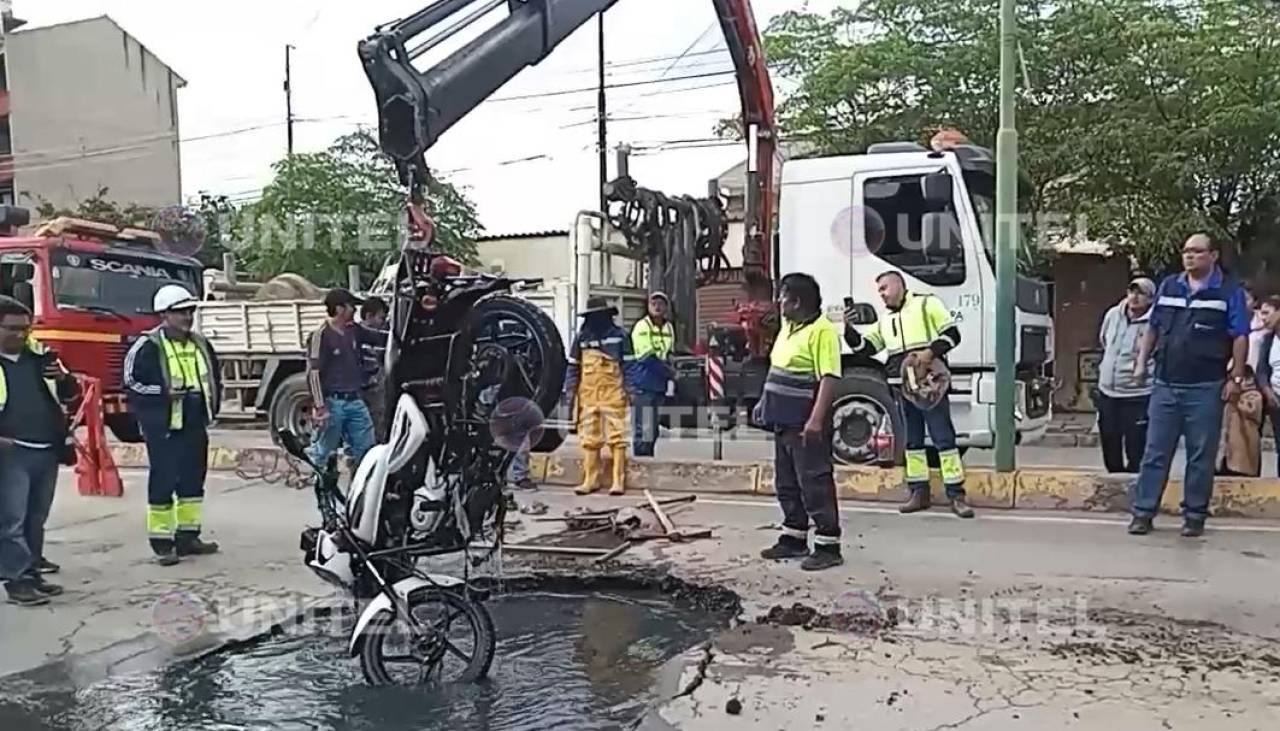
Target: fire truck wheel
(124, 428)
(291, 408)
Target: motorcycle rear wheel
(456, 646)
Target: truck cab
(90, 286)
(929, 215)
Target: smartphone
(848, 302)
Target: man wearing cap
(1122, 397)
(1199, 328)
(600, 379)
(174, 387)
(336, 377)
(652, 339)
(35, 389)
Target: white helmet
(173, 297)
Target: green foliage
(345, 205)
(1144, 119)
(100, 207)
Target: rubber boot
(590, 473)
(619, 455)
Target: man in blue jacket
(652, 339)
(174, 387)
(1199, 326)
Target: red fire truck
(90, 285)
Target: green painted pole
(1006, 241)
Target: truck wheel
(291, 409)
(124, 428)
(862, 404)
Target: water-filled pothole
(581, 661)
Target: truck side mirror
(860, 313)
(26, 294)
(940, 234)
(937, 188)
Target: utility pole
(602, 141)
(1006, 241)
(288, 95)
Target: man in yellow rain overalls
(599, 382)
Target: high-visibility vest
(803, 354)
(185, 367)
(915, 325)
(648, 338)
(35, 347)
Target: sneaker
(24, 594)
(1192, 528)
(169, 558)
(48, 567)
(526, 484)
(785, 548)
(44, 587)
(196, 547)
(961, 508)
(822, 558)
(1139, 526)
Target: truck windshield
(117, 282)
(982, 195)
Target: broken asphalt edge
(1037, 489)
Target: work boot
(1193, 528)
(919, 501)
(590, 473)
(44, 587)
(24, 594)
(619, 456)
(1139, 526)
(193, 546)
(961, 508)
(166, 558)
(526, 484)
(823, 557)
(48, 567)
(786, 547)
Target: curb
(1234, 497)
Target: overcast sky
(529, 164)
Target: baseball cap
(660, 295)
(1143, 285)
(340, 296)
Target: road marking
(997, 516)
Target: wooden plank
(662, 517)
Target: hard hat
(924, 386)
(173, 297)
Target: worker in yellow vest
(804, 367)
(35, 390)
(918, 330)
(174, 386)
(652, 339)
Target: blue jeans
(349, 421)
(644, 422)
(1193, 412)
(28, 478)
(937, 423)
(519, 469)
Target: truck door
(893, 205)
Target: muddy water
(563, 661)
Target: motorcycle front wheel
(455, 642)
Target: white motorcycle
(460, 351)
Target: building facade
(86, 107)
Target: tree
(1145, 119)
(323, 211)
(100, 207)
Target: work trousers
(936, 424)
(805, 484)
(1191, 412)
(644, 422)
(519, 469)
(28, 478)
(1122, 430)
(178, 461)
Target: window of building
(6, 140)
(894, 226)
